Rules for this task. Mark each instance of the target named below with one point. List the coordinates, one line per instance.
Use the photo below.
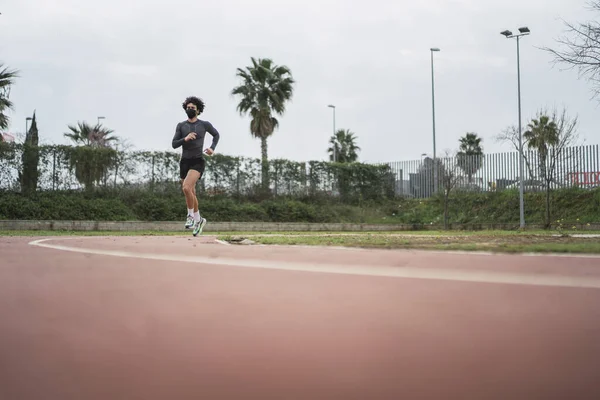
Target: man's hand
(209, 151)
(190, 136)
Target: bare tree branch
(581, 49)
(552, 134)
(511, 135)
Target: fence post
(152, 178)
(117, 168)
(597, 164)
(276, 177)
(237, 176)
(54, 168)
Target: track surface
(402, 325)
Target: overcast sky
(134, 61)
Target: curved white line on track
(382, 271)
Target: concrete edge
(173, 226)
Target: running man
(189, 135)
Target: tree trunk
(547, 205)
(265, 165)
(446, 199)
(545, 177)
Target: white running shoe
(198, 226)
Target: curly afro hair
(196, 101)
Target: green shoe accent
(198, 226)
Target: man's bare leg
(189, 189)
(186, 197)
(190, 197)
(195, 200)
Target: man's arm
(178, 139)
(215, 134)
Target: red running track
(89, 325)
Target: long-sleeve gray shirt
(194, 148)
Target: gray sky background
(135, 61)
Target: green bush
(572, 205)
(63, 206)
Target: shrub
(570, 206)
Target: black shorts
(197, 164)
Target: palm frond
(7, 79)
(88, 135)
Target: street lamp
(334, 146)
(27, 124)
(435, 180)
(99, 118)
(509, 35)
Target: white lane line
(363, 249)
(383, 271)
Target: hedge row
(573, 205)
(26, 169)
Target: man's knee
(188, 189)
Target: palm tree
(470, 154)
(94, 155)
(542, 134)
(346, 149)
(264, 91)
(87, 135)
(6, 80)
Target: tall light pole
(27, 124)
(99, 118)
(334, 146)
(435, 178)
(509, 35)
